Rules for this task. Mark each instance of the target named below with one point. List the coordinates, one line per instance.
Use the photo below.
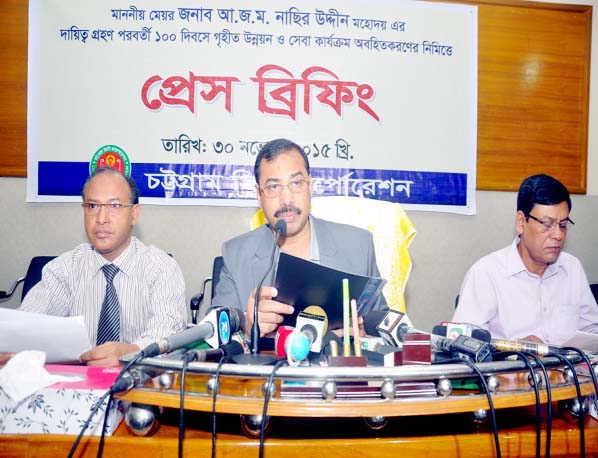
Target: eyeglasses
(548, 224)
(91, 208)
(274, 189)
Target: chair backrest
(34, 273)
(594, 288)
(216, 269)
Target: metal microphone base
(255, 359)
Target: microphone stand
(255, 357)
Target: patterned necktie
(109, 325)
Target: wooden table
(418, 427)
(435, 436)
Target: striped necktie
(109, 324)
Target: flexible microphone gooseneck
(280, 230)
(215, 329)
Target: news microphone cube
(319, 322)
(389, 326)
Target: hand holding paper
(63, 339)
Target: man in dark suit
(283, 187)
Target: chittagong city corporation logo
(111, 156)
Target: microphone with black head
(215, 329)
(474, 331)
(216, 354)
(390, 325)
(475, 348)
(280, 230)
(536, 348)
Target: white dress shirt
(150, 289)
(502, 296)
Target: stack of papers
(63, 339)
(584, 341)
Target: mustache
(287, 209)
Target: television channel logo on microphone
(454, 330)
(223, 327)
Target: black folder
(302, 283)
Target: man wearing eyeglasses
(283, 188)
(532, 290)
(129, 294)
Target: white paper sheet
(584, 341)
(63, 339)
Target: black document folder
(302, 283)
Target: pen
(346, 322)
(356, 339)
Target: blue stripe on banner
(61, 178)
(213, 181)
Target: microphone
(455, 329)
(216, 354)
(390, 325)
(463, 346)
(215, 329)
(475, 332)
(394, 325)
(280, 340)
(312, 324)
(130, 380)
(280, 230)
(540, 349)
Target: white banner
(382, 95)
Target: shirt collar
(314, 248)
(515, 264)
(125, 261)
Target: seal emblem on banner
(111, 156)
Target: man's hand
(4, 357)
(532, 339)
(340, 332)
(108, 354)
(269, 311)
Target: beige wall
(443, 249)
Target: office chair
(199, 297)
(30, 279)
(594, 288)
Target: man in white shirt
(144, 300)
(532, 290)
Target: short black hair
(105, 169)
(543, 190)
(272, 149)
